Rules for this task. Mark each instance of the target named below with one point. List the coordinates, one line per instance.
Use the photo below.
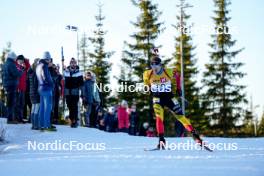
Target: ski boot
(198, 139)
(162, 143)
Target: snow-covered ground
(119, 154)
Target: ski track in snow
(124, 155)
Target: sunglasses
(155, 63)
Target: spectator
(110, 120)
(150, 132)
(143, 129)
(100, 121)
(28, 104)
(123, 118)
(116, 118)
(10, 82)
(133, 121)
(45, 92)
(23, 65)
(97, 104)
(57, 92)
(90, 96)
(34, 95)
(73, 84)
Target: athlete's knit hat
(156, 60)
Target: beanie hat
(20, 57)
(124, 103)
(72, 60)
(11, 55)
(156, 59)
(46, 55)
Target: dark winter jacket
(33, 87)
(57, 84)
(10, 75)
(44, 77)
(73, 81)
(133, 119)
(57, 81)
(110, 121)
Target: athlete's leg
(174, 105)
(159, 113)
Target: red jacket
(123, 117)
(22, 82)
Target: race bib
(156, 100)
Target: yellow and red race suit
(163, 87)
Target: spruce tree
(223, 96)
(100, 59)
(125, 80)
(138, 55)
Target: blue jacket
(44, 77)
(90, 92)
(10, 75)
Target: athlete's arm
(177, 76)
(146, 79)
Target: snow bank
(121, 155)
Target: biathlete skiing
(163, 85)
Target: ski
(207, 148)
(154, 149)
(204, 146)
(151, 149)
